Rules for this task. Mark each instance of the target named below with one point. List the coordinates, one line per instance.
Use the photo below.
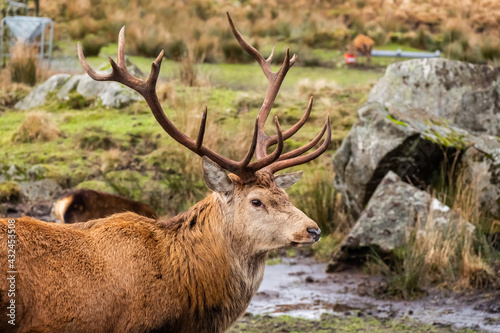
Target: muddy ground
(300, 288)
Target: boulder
(412, 143)
(117, 95)
(481, 167)
(40, 190)
(466, 95)
(38, 96)
(111, 94)
(395, 209)
(89, 88)
(69, 86)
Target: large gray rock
(40, 190)
(38, 96)
(89, 88)
(117, 95)
(408, 141)
(395, 208)
(481, 167)
(466, 95)
(110, 94)
(69, 86)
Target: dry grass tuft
(189, 73)
(111, 159)
(24, 64)
(451, 256)
(38, 126)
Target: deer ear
(286, 180)
(215, 177)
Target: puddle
(305, 290)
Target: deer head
(252, 198)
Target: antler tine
(248, 157)
(283, 164)
(201, 132)
(299, 151)
(274, 156)
(294, 129)
(121, 48)
(120, 72)
(275, 80)
(264, 64)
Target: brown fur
(86, 205)
(363, 45)
(196, 272)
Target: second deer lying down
(85, 205)
(196, 272)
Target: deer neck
(219, 275)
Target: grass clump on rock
(9, 192)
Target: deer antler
(147, 89)
(260, 142)
(275, 79)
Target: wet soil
(301, 288)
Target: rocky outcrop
(481, 167)
(466, 95)
(428, 124)
(69, 86)
(117, 95)
(108, 94)
(393, 209)
(396, 209)
(36, 199)
(38, 95)
(413, 144)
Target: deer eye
(256, 203)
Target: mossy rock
(10, 192)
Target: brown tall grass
(453, 255)
(319, 24)
(37, 126)
(24, 64)
(189, 73)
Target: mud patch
(303, 289)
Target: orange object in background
(349, 58)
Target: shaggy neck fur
(217, 274)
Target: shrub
(233, 52)
(189, 73)
(176, 50)
(92, 45)
(37, 126)
(490, 50)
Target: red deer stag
(195, 272)
(85, 205)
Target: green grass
(331, 323)
(250, 77)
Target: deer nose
(314, 233)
